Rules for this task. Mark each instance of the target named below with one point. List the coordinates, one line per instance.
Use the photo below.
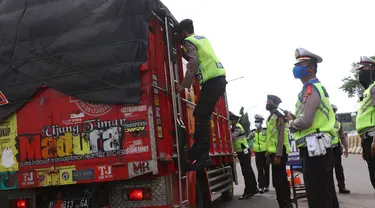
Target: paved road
(357, 180)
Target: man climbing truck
(89, 113)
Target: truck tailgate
(56, 139)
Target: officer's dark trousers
(263, 169)
(320, 187)
(210, 93)
(247, 172)
(339, 171)
(280, 180)
(366, 145)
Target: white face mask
(257, 125)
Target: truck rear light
(22, 203)
(139, 194)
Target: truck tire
(227, 195)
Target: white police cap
(302, 55)
(366, 61)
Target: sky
(257, 40)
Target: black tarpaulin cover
(90, 49)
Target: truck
(89, 112)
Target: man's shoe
(288, 206)
(266, 190)
(344, 191)
(248, 194)
(261, 190)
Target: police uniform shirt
(310, 105)
(281, 132)
(192, 65)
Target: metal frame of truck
(171, 127)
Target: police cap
(258, 118)
(276, 100)
(186, 23)
(366, 61)
(303, 55)
(334, 108)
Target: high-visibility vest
(259, 141)
(241, 139)
(209, 66)
(336, 136)
(273, 135)
(324, 120)
(365, 121)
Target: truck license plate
(74, 203)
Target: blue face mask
(300, 71)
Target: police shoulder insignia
(306, 93)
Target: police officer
(210, 73)
(278, 148)
(337, 143)
(312, 129)
(365, 118)
(241, 148)
(259, 147)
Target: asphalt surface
(357, 181)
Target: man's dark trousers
(366, 145)
(263, 169)
(339, 171)
(280, 180)
(210, 93)
(247, 172)
(318, 176)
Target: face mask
(270, 106)
(300, 71)
(257, 125)
(366, 78)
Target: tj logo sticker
(105, 172)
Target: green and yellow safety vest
(260, 138)
(336, 135)
(324, 120)
(209, 66)
(273, 135)
(241, 139)
(365, 121)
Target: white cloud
(257, 39)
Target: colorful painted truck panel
(56, 139)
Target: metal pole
(236, 79)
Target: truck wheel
(228, 195)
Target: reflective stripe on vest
(366, 113)
(336, 135)
(273, 135)
(324, 120)
(241, 139)
(209, 65)
(259, 144)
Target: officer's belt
(303, 139)
(366, 130)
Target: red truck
(64, 150)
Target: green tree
(351, 83)
(244, 121)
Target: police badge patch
(297, 53)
